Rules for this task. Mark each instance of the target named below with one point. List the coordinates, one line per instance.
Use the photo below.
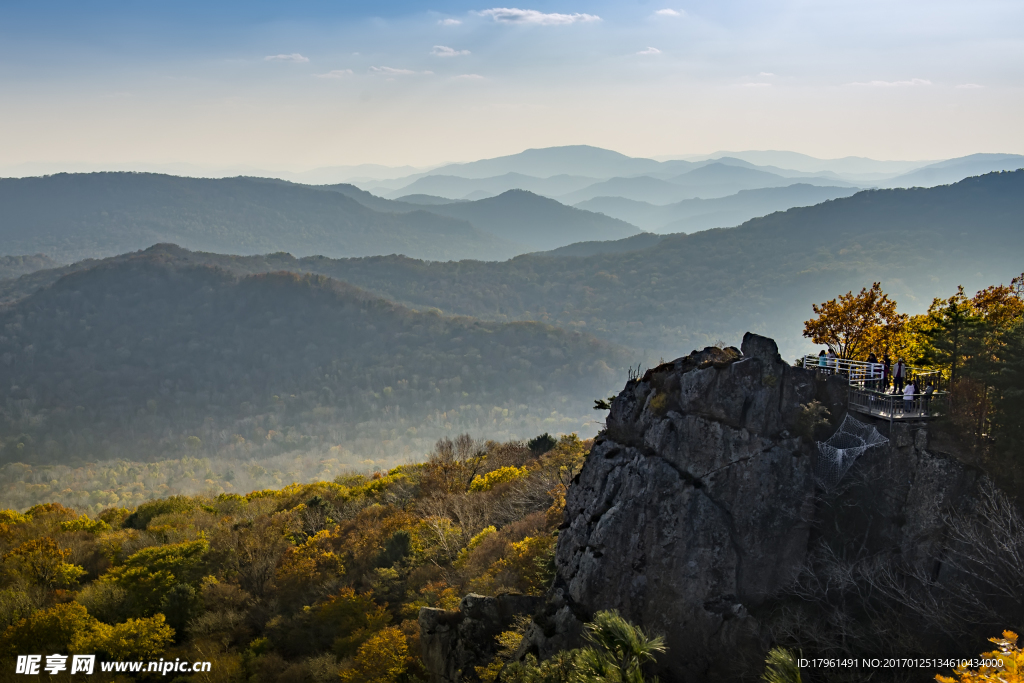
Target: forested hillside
(517, 216)
(313, 582)
(142, 358)
(690, 290)
(525, 218)
(76, 216)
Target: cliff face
(697, 509)
(697, 515)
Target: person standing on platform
(872, 372)
(929, 389)
(898, 373)
(886, 373)
(908, 399)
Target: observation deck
(866, 395)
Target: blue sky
(296, 85)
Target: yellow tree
(381, 659)
(850, 323)
(48, 630)
(42, 562)
(145, 638)
(1008, 658)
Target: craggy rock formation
(697, 508)
(697, 515)
(454, 642)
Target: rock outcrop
(697, 508)
(453, 642)
(697, 515)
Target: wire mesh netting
(841, 450)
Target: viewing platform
(866, 395)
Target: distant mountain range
(663, 295)
(668, 185)
(603, 165)
(456, 187)
(70, 217)
(689, 290)
(691, 215)
(705, 182)
(492, 209)
(953, 170)
(516, 216)
(858, 167)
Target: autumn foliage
(319, 581)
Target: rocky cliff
(697, 515)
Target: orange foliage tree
(851, 323)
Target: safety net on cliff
(838, 453)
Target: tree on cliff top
(852, 324)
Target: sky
(311, 83)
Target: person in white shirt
(908, 398)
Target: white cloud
(449, 22)
(895, 84)
(513, 15)
(669, 13)
(766, 73)
(469, 77)
(970, 86)
(650, 51)
(756, 85)
(295, 58)
(444, 51)
(388, 71)
(337, 73)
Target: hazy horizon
(291, 88)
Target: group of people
(885, 377)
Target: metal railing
(895, 407)
(867, 375)
(868, 395)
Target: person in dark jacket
(898, 375)
(873, 374)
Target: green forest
(144, 359)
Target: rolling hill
(580, 160)
(525, 218)
(73, 216)
(638, 188)
(952, 170)
(691, 215)
(707, 181)
(851, 167)
(134, 356)
(689, 290)
(455, 187)
(763, 276)
(533, 222)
